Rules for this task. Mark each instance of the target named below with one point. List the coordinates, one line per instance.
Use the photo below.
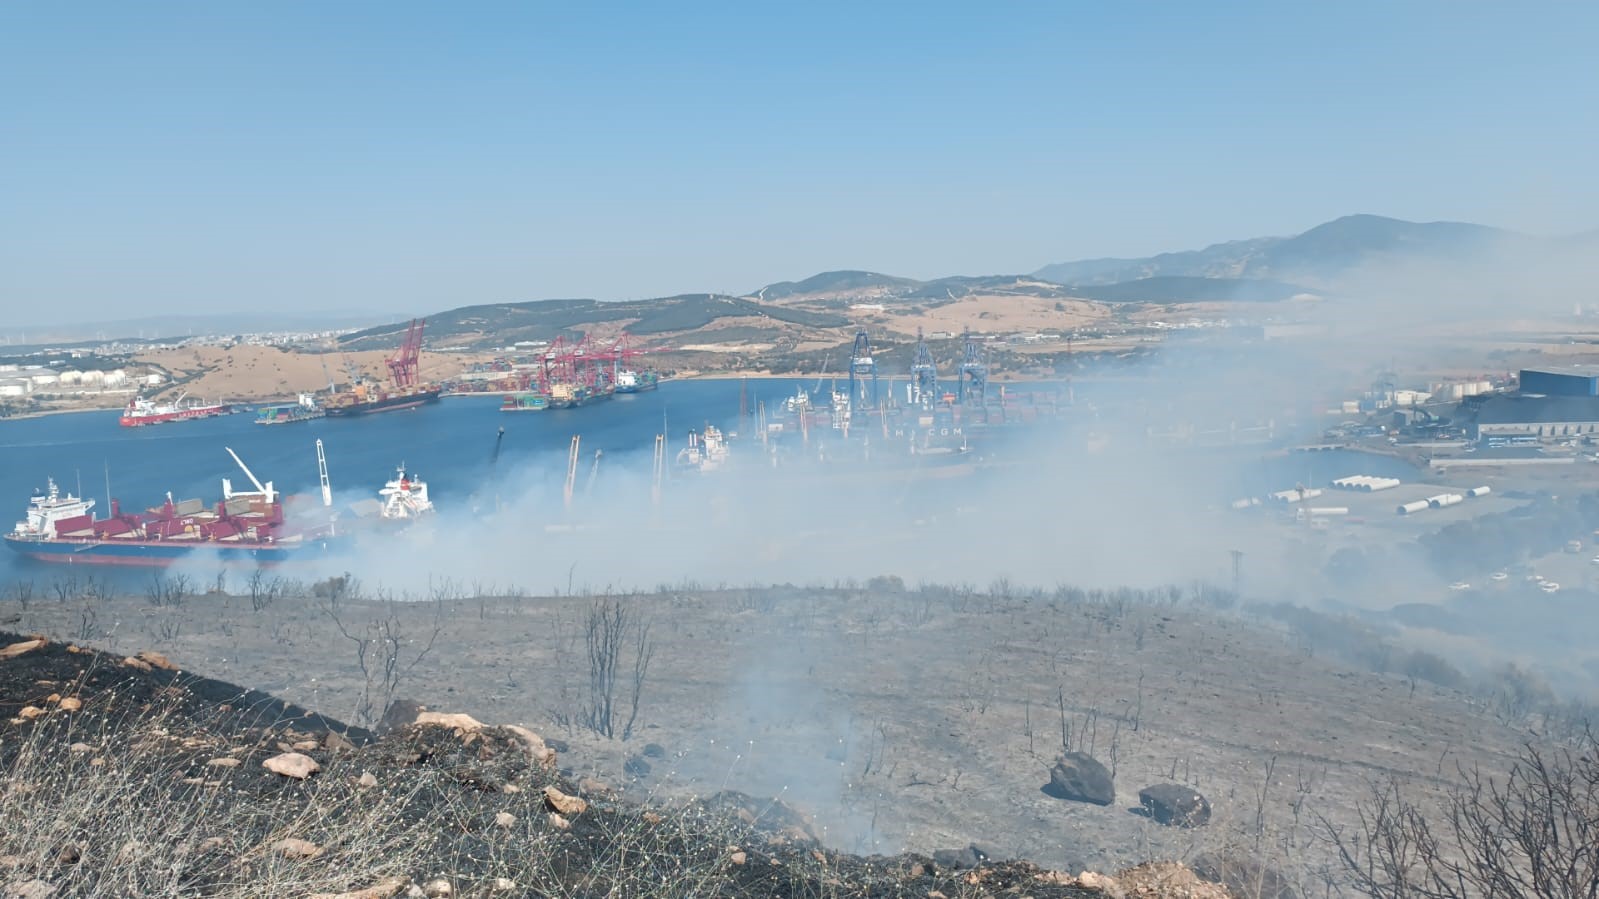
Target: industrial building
(1574, 382)
(1542, 417)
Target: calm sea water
(721, 524)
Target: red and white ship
(142, 411)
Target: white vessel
(48, 508)
(706, 450)
(405, 498)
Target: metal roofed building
(1576, 381)
(1536, 416)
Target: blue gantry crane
(974, 369)
(924, 375)
(862, 373)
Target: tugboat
(405, 498)
(636, 381)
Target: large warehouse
(1536, 416)
(1574, 382)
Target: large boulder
(1080, 777)
(1176, 805)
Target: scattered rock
(461, 724)
(557, 745)
(305, 745)
(30, 712)
(509, 789)
(654, 750)
(367, 779)
(211, 844)
(383, 889)
(296, 849)
(223, 762)
(560, 802)
(292, 764)
(652, 818)
(502, 885)
(957, 859)
(139, 664)
(29, 889)
(80, 748)
(558, 822)
(69, 855)
(1099, 883)
(336, 741)
(414, 892)
(156, 660)
(438, 888)
(1175, 805)
(738, 857)
(504, 819)
(591, 786)
(71, 704)
(1080, 777)
(17, 649)
(635, 766)
(538, 749)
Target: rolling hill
(1316, 257)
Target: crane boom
(322, 472)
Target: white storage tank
(1479, 491)
(1412, 508)
(1444, 499)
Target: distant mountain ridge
(1315, 257)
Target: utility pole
(1238, 571)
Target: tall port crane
(403, 364)
(974, 369)
(862, 373)
(924, 374)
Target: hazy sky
(405, 156)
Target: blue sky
(170, 157)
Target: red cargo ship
(142, 412)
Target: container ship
(141, 411)
(364, 400)
(246, 526)
(306, 409)
(408, 391)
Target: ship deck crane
(264, 490)
(659, 469)
(571, 469)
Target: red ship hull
(156, 418)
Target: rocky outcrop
(1175, 805)
(1080, 777)
(292, 764)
